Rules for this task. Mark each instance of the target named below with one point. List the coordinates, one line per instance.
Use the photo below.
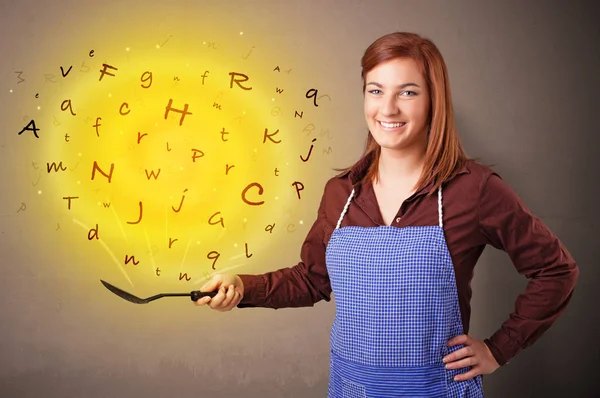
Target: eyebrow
(399, 86)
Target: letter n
(96, 167)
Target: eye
(405, 93)
(375, 91)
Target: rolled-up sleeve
(536, 253)
(302, 285)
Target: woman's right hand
(230, 292)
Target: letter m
(53, 166)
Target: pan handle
(197, 294)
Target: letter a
(34, 129)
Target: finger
(229, 296)
(238, 298)
(468, 375)
(463, 363)
(458, 354)
(238, 291)
(460, 339)
(203, 301)
(216, 301)
(213, 284)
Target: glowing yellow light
(39, 108)
(99, 203)
(235, 245)
(127, 49)
(39, 192)
(198, 242)
(11, 91)
(158, 46)
(301, 222)
(109, 95)
(241, 33)
(203, 42)
(273, 99)
(79, 154)
(276, 197)
(181, 168)
(78, 182)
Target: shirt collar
(357, 172)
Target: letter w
(152, 174)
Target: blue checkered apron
(396, 307)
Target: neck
(395, 166)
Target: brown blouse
(478, 209)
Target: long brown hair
(444, 154)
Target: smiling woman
(399, 259)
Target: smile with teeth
(391, 125)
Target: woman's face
(397, 105)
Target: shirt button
(398, 219)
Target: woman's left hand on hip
(475, 354)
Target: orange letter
(96, 167)
(183, 112)
(260, 192)
(238, 82)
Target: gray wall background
(524, 76)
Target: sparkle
(241, 33)
(99, 203)
(79, 154)
(39, 192)
(127, 49)
(276, 197)
(273, 99)
(158, 46)
(39, 107)
(214, 189)
(301, 222)
(79, 182)
(235, 245)
(11, 91)
(181, 168)
(197, 242)
(109, 95)
(203, 42)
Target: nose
(389, 106)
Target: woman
(397, 237)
